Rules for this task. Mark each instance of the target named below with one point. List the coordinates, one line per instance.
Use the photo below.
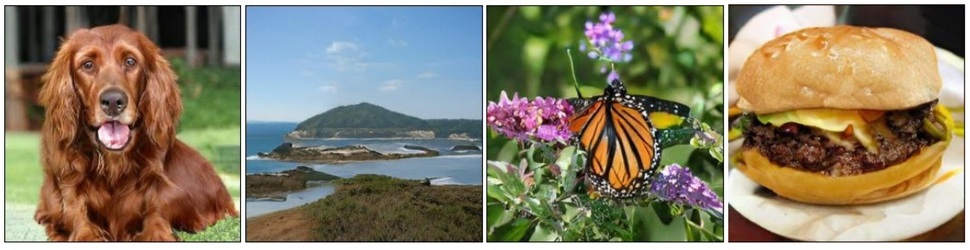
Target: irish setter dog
(113, 169)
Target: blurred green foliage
(677, 55)
(210, 96)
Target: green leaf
(702, 231)
(514, 231)
(648, 227)
(663, 212)
(496, 169)
(565, 160)
(496, 214)
(544, 234)
(508, 152)
(570, 213)
(497, 193)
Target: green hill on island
(365, 120)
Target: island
(275, 186)
(366, 120)
(287, 152)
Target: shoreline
(257, 207)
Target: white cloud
(345, 56)
(426, 75)
(340, 47)
(396, 22)
(391, 85)
(328, 88)
(397, 43)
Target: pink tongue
(113, 135)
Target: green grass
(23, 176)
(22, 171)
(210, 96)
(224, 230)
(382, 208)
(220, 146)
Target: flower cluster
(607, 44)
(544, 119)
(606, 41)
(677, 184)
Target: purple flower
(612, 76)
(677, 184)
(605, 41)
(544, 119)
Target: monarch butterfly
(618, 133)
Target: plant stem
(709, 234)
(572, 68)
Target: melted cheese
(834, 121)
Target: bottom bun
(910, 176)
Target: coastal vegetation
(379, 208)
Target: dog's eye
(87, 65)
(130, 62)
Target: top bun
(842, 67)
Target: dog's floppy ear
(160, 105)
(60, 98)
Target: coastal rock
(286, 152)
(276, 185)
(297, 134)
(283, 148)
(424, 134)
(462, 137)
(466, 147)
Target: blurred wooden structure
(199, 35)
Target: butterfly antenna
(572, 69)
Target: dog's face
(119, 86)
(108, 75)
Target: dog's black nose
(113, 101)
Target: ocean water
(451, 168)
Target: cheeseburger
(842, 115)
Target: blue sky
(420, 61)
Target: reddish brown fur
(142, 192)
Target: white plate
(887, 221)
